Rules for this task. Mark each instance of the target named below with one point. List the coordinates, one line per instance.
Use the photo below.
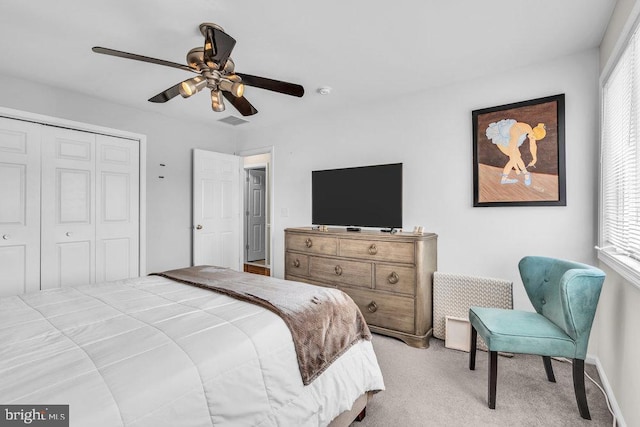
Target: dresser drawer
(297, 264)
(378, 250)
(341, 271)
(307, 281)
(396, 279)
(387, 311)
(312, 244)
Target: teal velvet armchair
(565, 295)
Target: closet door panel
(73, 198)
(74, 262)
(68, 208)
(13, 264)
(19, 207)
(117, 208)
(114, 259)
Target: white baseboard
(607, 388)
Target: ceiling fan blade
(217, 46)
(242, 105)
(273, 85)
(224, 44)
(168, 94)
(127, 55)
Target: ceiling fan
(216, 71)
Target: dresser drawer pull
(372, 249)
(296, 263)
(393, 278)
(372, 307)
(308, 242)
(338, 270)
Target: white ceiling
(366, 50)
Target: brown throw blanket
(324, 322)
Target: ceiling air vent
(233, 120)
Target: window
(620, 176)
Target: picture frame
(519, 154)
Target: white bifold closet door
(89, 208)
(19, 207)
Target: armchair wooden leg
(548, 368)
(493, 378)
(472, 349)
(578, 386)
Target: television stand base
(353, 229)
(389, 230)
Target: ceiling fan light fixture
(235, 88)
(216, 71)
(192, 86)
(217, 104)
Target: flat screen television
(366, 196)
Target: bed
(157, 351)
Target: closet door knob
(198, 227)
(6, 236)
(68, 234)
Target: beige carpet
(434, 387)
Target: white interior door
(216, 209)
(19, 207)
(256, 215)
(117, 208)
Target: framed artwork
(518, 154)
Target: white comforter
(153, 352)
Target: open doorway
(257, 214)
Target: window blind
(620, 180)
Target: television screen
(368, 196)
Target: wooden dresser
(388, 275)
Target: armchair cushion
(516, 331)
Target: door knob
(68, 234)
(6, 236)
(198, 227)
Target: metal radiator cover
(453, 294)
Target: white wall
(169, 141)
(430, 133)
(615, 333)
(616, 344)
